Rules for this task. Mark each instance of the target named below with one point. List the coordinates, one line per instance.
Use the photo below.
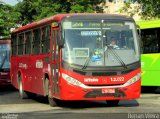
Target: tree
(129, 9)
(8, 19)
(149, 9)
(32, 10)
(27, 11)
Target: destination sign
(93, 24)
(90, 24)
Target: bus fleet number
(115, 79)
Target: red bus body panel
(32, 76)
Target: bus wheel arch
(48, 91)
(22, 93)
(46, 84)
(19, 79)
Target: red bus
(5, 61)
(69, 57)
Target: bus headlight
(133, 80)
(72, 80)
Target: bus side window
(45, 39)
(20, 44)
(14, 44)
(28, 40)
(36, 41)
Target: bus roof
(59, 17)
(149, 24)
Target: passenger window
(28, 41)
(45, 42)
(14, 45)
(36, 41)
(20, 44)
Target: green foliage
(8, 19)
(150, 9)
(27, 11)
(33, 10)
(130, 10)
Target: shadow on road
(9, 89)
(6, 89)
(94, 104)
(39, 98)
(150, 89)
(83, 104)
(87, 104)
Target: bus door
(55, 62)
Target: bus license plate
(108, 90)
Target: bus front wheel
(22, 93)
(51, 100)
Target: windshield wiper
(118, 58)
(3, 61)
(87, 61)
(92, 53)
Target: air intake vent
(104, 73)
(126, 72)
(79, 72)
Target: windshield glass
(100, 43)
(4, 56)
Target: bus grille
(104, 73)
(108, 73)
(104, 85)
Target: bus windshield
(4, 56)
(100, 43)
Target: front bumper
(71, 92)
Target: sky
(11, 2)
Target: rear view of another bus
(4, 61)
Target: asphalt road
(12, 107)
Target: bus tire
(22, 93)
(51, 100)
(112, 102)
